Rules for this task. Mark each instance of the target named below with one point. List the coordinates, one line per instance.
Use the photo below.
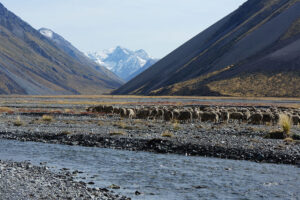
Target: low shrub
(47, 118)
(176, 125)
(167, 134)
(18, 122)
(117, 132)
(285, 123)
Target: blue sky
(157, 26)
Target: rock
(276, 135)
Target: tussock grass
(47, 118)
(117, 132)
(176, 125)
(18, 122)
(122, 125)
(167, 134)
(285, 123)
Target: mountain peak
(122, 61)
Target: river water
(160, 176)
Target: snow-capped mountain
(123, 62)
(72, 51)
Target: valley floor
(65, 120)
(70, 124)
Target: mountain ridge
(240, 39)
(32, 64)
(72, 51)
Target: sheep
(98, 109)
(130, 113)
(295, 120)
(176, 113)
(108, 109)
(224, 116)
(168, 115)
(185, 115)
(196, 114)
(116, 110)
(123, 112)
(256, 118)
(267, 117)
(210, 116)
(236, 116)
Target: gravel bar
(23, 181)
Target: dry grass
(122, 125)
(167, 134)
(6, 110)
(117, 132)
(176, 125)
(101, 123)
(285, 123)
(66, 133)
(18, 122)
(283, 84)
(289, 140)
(47, 118)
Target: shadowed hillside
(253, 51)
(32, 64)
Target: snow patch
(47, 33)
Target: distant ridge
(30, 63)
(253, 51)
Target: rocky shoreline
(22, 180)
(230, 145)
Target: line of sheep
(251, 115)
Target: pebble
(22, 180)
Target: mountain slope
(251, 52)
(123, 62)
(72, 51)
(31, 64)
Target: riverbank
(231, 141)
(22, 180)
